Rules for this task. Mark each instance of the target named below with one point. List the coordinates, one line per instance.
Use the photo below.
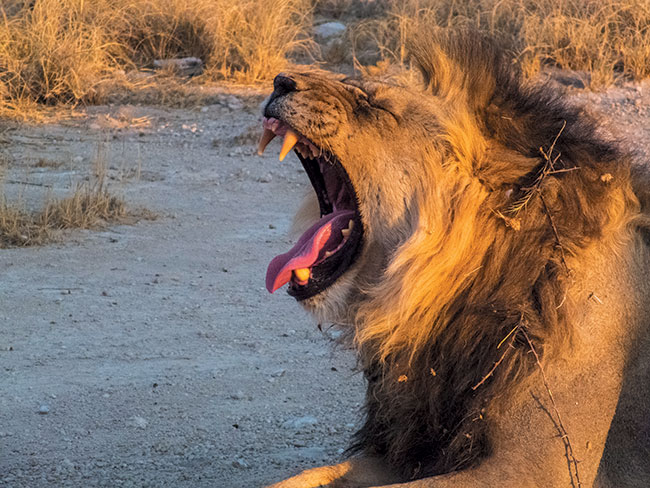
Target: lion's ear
(462, 65)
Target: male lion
(488, 251)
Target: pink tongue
(324, 235)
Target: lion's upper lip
(330, 245)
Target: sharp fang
(328, 254)
(290, 140)
(267, 137)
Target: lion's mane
(527, 184)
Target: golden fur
(493, 214)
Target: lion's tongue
(325, 235)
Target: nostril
(282, 84)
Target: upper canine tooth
(290, 139)
(267, 137)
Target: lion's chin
(332, 305)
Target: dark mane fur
(423, 413)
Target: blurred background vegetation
(80, 51)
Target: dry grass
(73, 51)
(64, 50)
(610, 39)
(90, 205)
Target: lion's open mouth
(330, 246)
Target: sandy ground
(151, 355)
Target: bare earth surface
(151, 355)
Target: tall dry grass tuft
(608, 38)
(55, 51)
(61, 50)
(71, 51)
(90, 205)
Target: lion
(485, 245)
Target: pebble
(313, 453)
(139, 422)
(278, 373)
(300, 423)
(240, 463)
(44, 409)
(329, 29)
(240, 395)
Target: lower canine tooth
(346, 232)
(302, 274)
(290, 140)
(267, 137)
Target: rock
(240, 463)
(240, 395)
(181, 66)
(44, 409)
(278, 373)
(312, 453)
(300, 423)
(139, 422)
(329, 29)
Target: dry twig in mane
(564, 435)
(512, 335)
(547, 169)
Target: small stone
(313, 453)
(329, 30)
(240, 395)
(44, 409)
(240, 463)
(278, 373)
(183, 66)
(139, 422)
(300, 423)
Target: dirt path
(155, 349)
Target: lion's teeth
(267, 137)
(346, 232)
(290, 140)
(328, 254)
(302, 274)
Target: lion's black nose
(283, 84)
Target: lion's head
(450, 217)
(415, 185)
(351, 137)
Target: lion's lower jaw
(332, 304)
